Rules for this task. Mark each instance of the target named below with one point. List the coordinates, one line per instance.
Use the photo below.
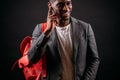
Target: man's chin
(65, 17)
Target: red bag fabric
(33, 71)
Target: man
(69, 43)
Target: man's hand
(52, 21)
(23, 61)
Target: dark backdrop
(19, 17)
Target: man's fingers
(50, 11)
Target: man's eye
(63, 4)
(68, 3)
(60, 5)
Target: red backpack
(33, 71)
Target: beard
(65, 16)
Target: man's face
(63, 8)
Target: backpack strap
(44, 25)
(25, 45)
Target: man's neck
(64, 23)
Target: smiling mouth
(66, 14)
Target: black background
(19, 17)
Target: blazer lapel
(52, 43)
(75, 37)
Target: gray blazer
(85, 54)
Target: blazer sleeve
(92, 61)
(38, 43)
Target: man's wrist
(47, 33)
